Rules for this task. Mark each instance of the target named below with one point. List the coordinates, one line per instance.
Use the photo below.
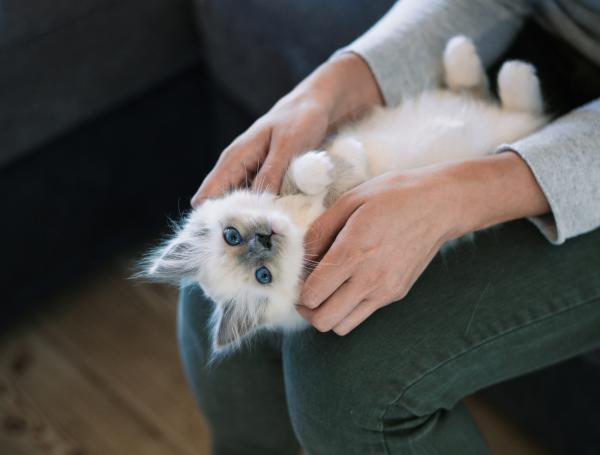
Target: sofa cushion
(81, 59)
(26, 20)
(259, 49)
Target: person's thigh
(240, 394)
(498, 305)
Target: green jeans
(497, 305)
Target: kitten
(246, 249)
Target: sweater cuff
(547, 224)
(564, 158)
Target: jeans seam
(467, 351)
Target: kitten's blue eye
(232, 236)
(263, 276)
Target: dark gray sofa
(106, 128)
(64, 61)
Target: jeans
(495, 305)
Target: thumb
(326, 227)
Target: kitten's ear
(170, 263)
(234, 321)
(177, 259)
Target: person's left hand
(383, 234)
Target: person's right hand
(295, 124)
(341, 88)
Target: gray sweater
(403, 50)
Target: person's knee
(347, 395)
(192, 324)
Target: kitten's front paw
(312, 172)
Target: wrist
(346, 85)
(491, 190)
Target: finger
(339, 305)
(212, 186)
(229, 174)
(237, 165)
(326, 227)
(358, 315)
(271, 172)
(332, 271)
(284, 145)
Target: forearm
(565, 159)
(404, 48)
(345, 84)
(382, 65)
(488, 191)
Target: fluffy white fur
(459, 122)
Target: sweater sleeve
(404, 52)
(404, 48)
(565, 159)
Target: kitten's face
(247, 256)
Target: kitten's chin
(288, 320)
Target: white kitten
(246, 249)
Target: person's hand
(379, 237)
(293, 125)
(386, 231)
(341, 88)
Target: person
(403, 328)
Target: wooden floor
(98, 374)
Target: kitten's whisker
(260, 185)
(309, 261)
(328, 264)
(310, 254)
(245, 172)
(258, 182)
(318, 262)
(311, 242)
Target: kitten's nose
(264, 240)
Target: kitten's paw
(462, 64)
(312, 172)
(519, 87)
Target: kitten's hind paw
(311, 172)
(462, 65)
(519, 87)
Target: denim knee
(241, 395)
(343, 401)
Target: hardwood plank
(24, 430)
(502, 436)
(74, 403)
(133, 353)
(91, 63)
